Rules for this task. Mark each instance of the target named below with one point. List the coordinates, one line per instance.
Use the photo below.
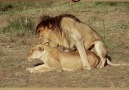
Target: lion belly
(71, 63)
(72, 60)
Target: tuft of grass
(2, 53)
(111, 4)
(60, 7)
(121, 26)
(20, 26)
(13, 7)
(106, 3)
(124, 25)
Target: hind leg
(101, 51)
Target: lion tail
(114, 64)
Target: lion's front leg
(83, 55)
(72, 30)
(76, 36)
(39, 69)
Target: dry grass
(18, 21)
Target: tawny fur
(69, 32)
(55, 60)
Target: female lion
(55, 60)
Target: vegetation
(17, 34)
(23, 24)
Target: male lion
(55, 60)
(69, 32)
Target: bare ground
(13, 73)
(13, 63)
(13, 51)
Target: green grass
(124, 25)
(12, 7)
(50, 6)
(18, 21)
(20, 26)
(22, 16)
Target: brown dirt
(13, 61)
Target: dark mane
(54, 21)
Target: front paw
(86, 67)
(31, 70)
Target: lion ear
(47, 48)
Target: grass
(27, 24)
(16, 7)
(124, 25)
(21, 25)
(17, 34)
(20, 6)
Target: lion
(69, 32)
(55, 60)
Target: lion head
(51, 32)
(45, 36)
(40, 52)
(37, 52)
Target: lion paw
(101, 66)
(86, 68)
(31, 70)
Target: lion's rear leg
(100, 51)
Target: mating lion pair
(69, 33)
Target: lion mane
(55, 22)
(68, 32)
